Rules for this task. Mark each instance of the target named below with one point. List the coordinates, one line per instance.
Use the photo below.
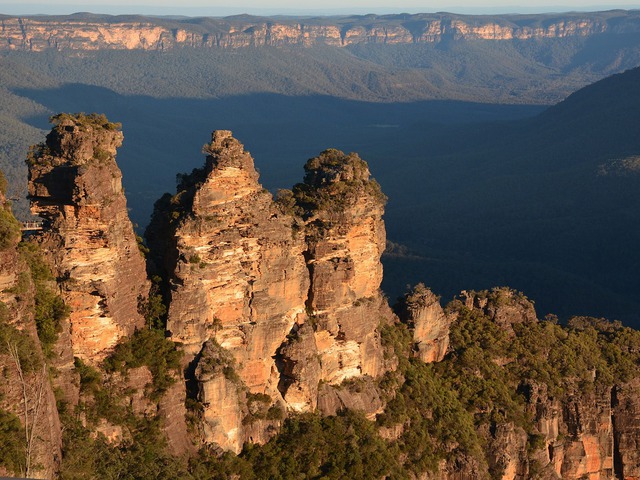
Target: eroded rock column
(76, 187)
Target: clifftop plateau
(93, 32)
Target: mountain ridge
(127, 32)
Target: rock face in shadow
(75, 186)
(26, 393)
(292, 296)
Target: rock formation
(239, 274)
(238, 280)
(625, 401)
(342, 209)
(294, 301)
(75, 186)
(26, 395)
(586, 430)
(277, 307)
(95, 33)
(421, 310)
(506, 307)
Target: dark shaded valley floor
(479, 194)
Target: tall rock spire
(342, 208)
(75, 186)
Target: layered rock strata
(345, 235)
(238, 282)
(25, 391)
(240, 278)
(95, 33)
(292, 296)
(422, 312)
(75, 186)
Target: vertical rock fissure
(618, 465)
(309, 264)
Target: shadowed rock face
(75, 186)
(25, 380)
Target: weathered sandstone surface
(287, 290)
(128, 33)
(422, 312)
(342, 209)
(75, 186)
(25, 390)
(587, 432)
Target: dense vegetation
(443, 411)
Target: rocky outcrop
(577, 430)
(220, 391)
(422, 312)
(238, 285)
(288, 289)
(505, 306)
(625, 400)
(91, 32)
(587, 429)
(75, 186)
(26, 393)
(342, 209)
(239, 275)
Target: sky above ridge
(290, 7)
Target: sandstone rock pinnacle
(75, 186)
(289, 288)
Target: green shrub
(150, 348)
(9, 228)
(12, 448)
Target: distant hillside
(91, 32)
(550, 204)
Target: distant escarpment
(92, 32)
(283, 294)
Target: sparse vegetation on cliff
(9, 226)
(83, 120)
(50, 308)
(150, 348)
(446, 409)
(332, 182)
